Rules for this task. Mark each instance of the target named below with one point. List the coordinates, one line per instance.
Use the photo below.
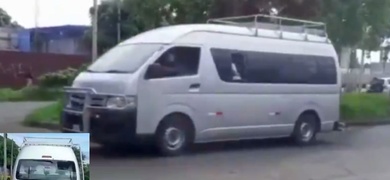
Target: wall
(12, 63)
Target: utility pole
(94, 30)
(36, 19)
(118, 6)
(5, 155)
(12, 157)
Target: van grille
(77, 101)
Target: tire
(173, 136)
(305, 130)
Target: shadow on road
(202, 149)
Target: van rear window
(46, 169)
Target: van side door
(175, 92)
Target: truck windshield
(124, 58)
(29, 169)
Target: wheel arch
(314, 113)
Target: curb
(374, 122)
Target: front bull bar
(87, 92)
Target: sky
(77, 138)
(50, 12)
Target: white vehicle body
(218, 107)
(43, 160)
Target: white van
(198, 83)
(42, 158)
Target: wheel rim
(174, 138)
(307, 131)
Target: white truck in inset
(47, 158)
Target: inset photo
(31, 156)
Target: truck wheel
(305, 130)
(173, 135)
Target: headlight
(120, 102)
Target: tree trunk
(345, 57)
(361, 73)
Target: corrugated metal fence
(12, 64)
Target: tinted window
(259, 67)
(223, 61)
(179, 61)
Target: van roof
(169, 34)
(56, 152)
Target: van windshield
(29, 169)
(124, 58)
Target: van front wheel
(173, 136)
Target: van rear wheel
(173, 135)
(305, 130)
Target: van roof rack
(38, 141)
(278, 24)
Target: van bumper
(339, 126)
(108, 126)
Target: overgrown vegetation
(60, 78)
(33, 93)
(49, 115)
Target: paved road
(357, 154)
(13, 114)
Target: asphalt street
(12, 115)
(356, 154)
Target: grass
(355, 109)
(48, 115)
(29, 94)
(365, 108)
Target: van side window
(327, 72)
(230, 64)
(180, 61)
(274, 68)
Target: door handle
(195, 86)
(274, 113)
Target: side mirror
(154, 71)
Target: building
(68, 39)
(9, 38)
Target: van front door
(176, 90)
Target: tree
(86, 172)
(6, 20)
(9, 151)
(80, 160)
(303, 9)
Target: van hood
(108, 83)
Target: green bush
(60, 78)
(363, 107)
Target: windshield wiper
(115, 71)
(88, 70)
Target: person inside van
(177, 62)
